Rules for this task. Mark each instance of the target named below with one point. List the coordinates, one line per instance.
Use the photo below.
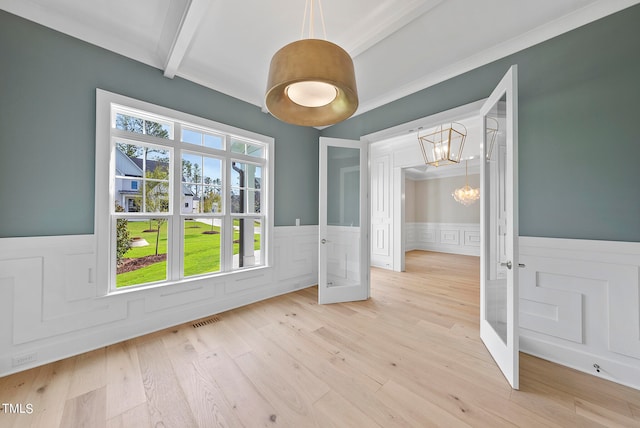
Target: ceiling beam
(193, 14)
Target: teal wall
(579, 144)
(47, 130)
(579, 113)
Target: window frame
(107, 105)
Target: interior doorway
(395, 155)
(433, 219)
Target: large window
(177, 197)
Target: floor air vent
(206, 322)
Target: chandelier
(311, 81)
(466, 195)
(444, 146)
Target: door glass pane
(496, 270)
(343, 217)
(343, 186)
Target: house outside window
(177, 197)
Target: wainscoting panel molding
(50, 307)
(579, 305)
(380, 244)
(381, 211)
(455, 238)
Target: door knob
(323, 241)
(507, 264)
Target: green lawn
(202, 252)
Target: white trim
(386, 18)
(191, 18)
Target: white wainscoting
(49, 307)
(580, 305)
(455, 238)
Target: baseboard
(615, 371)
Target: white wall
(410, 200)
(434, 203)
(49, 309)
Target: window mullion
(227, 245)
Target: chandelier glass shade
(444, 146)
(466, 195)
(311, 81)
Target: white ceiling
(398, 46)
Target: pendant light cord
(324, 29)
(308, 9)
(304, 19)
(466, 172)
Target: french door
(499, 227)
(343, 272)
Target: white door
(343, 272)
(499, 226)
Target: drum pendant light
(311, 81)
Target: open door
(499, 227)
(343, 271)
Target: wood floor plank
(89, 373)
(581, 385)
(340, 413)
(86, 410)
(125, 389)
(247, 403)
(635, 411)
(280, 362)
(603, 416)
(319, 357)
(415, 409)
(341, 374)
(48, 394)
(206, 399)
(233, 344)
(293, 404)
(137, 417)
(166, 401)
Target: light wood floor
(410, 356)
